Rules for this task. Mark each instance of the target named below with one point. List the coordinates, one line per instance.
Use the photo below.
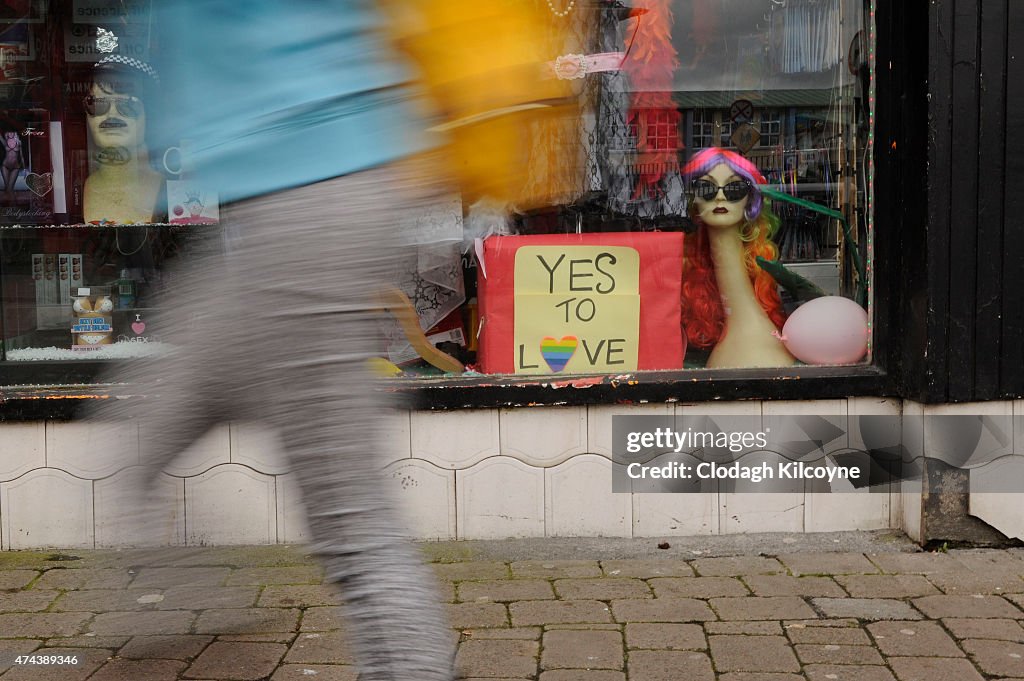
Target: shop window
(616, 275)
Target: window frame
(36, 390)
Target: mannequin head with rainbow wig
(704, 163)
(725, 195)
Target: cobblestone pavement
(262, 613)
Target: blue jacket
(275, 94)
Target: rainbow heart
(557, 353)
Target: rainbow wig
(703, 313)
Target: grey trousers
(277, 330)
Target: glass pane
(85, 179)
(84, 293)
(736, 128)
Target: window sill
(45, 398)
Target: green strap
(862, 282)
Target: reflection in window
(727, 128)
(703, 129)
(771, 128)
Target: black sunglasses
(129, 106)
(708, 190)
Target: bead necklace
(561, 13)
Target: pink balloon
(828, 330)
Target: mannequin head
(116, 112)
(703, 311)
(721, 167)
(720, 197)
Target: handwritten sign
(577, 309)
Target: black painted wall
(957, 322)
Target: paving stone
(512, 633)
(915, 563)
(913, 639)
(445, 591)
(988, 561)
(662, 610)
(87, 641)
(996, 629)
(581, 650)
(735, 566)
(326, 618)
(605, 589)
(296, 574)
(316, 648)
(839, 636)
(575, 675)
(669, 665)
(966, 606)
(758, 608)
(42, 624)
(191, 556)
(1017, 599)
(27, 601)
(142, 623)
(933, 669)
(321, 672)
(498, 658)
(837, 622)
(752, 654)
(556, 569)
(831, 653)
(168, 577)
(828, 564)
(665, 636)
(528, 613)
(455, 572)
(999, 658)
(866, 608)
(84, 578)
(646, 569)
(887, 586)
(759, 676)
(504, 590)
(471, 615)
(745, 628)
(101, 600)
(784, 585)
(585, 626)
(11, 648)
(88, 661)
(247, 620)
(18, 579)
(295, 595)
(233, 661)
(273, 637)
(965, 582)
(698, 587)
(181, 647)
(137, 670)
(828, 672)
(187, 598)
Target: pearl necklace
(561, 13)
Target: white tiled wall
(472, 474)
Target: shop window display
(94, 211)
(85, 234)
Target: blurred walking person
(310, 125)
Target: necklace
(117, 241)
(561, 13)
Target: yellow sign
(577, 309)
